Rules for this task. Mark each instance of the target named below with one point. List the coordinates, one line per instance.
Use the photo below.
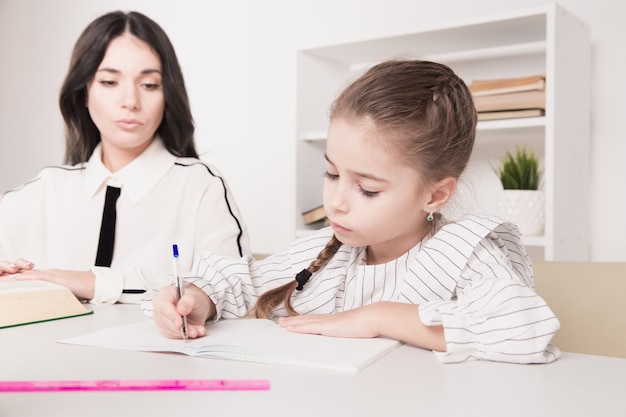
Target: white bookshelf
(545, 39)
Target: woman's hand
(81, 283)
(9, 268)
(168, 311)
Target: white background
(239, 62)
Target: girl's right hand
(9, 268)
(168, 311)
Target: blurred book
(314, 215)
(510, 114)
(480, 88)
(511, 101)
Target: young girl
(389, 265)
(129, 130)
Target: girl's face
(125, 99)
(371, 197)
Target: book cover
(507, 85)
(510, 114)
(314, 215)
(249, 340)
(33, 301)
(511, 101)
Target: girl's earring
(430, 217)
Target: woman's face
(125, 99)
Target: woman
(129, 136)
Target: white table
(407, 382)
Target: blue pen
(179, 284)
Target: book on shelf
(248, 340)
(510, 114)
(32, 301)
(507, 85)
(511, 101)
(314, 215)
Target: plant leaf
(519, 171)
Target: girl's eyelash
(366, 193)
(152, 86)
(107, 83)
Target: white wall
(239, 62)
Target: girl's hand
(398, 321)
(350, 323)
(168, 311)
(9, 268)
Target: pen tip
(175, 250)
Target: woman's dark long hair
(81, 134)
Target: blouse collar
(137, 178)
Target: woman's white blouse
(472, 276)
(54, 220)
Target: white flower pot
(526, 208)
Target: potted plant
(522, 202)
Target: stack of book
(315, 215)
(509, 98)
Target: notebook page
(254, 340)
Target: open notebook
(252, 340)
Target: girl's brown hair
(424, 112)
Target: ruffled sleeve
(493, 312)
(234, 284)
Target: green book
(32, 301)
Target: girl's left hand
(350, 323)
(398, 321)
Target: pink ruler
(138, 385)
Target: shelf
(520, 123)
(545, 39)
(522, 49)
(528, 123)
(534, 240)
(498, 32)
(313, 136)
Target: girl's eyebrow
(360, 174)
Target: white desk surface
(407, 382)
